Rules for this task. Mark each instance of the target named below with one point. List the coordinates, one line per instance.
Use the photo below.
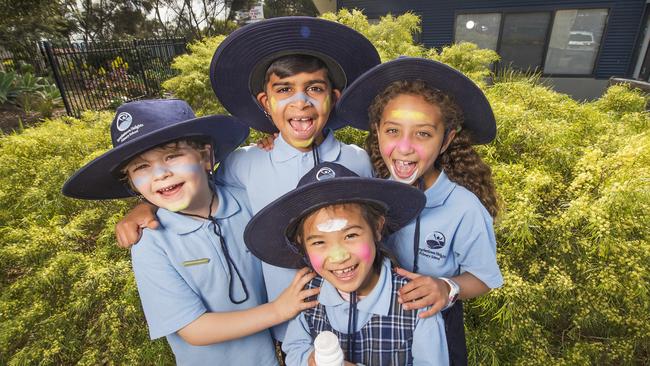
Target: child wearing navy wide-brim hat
(199, 286)
(423, 118)
(334, 222)
(284, 75)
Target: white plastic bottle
(327, 351)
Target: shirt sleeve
(231, 170)
(168, 302)
(430, 342)
(475, 247)
(297, 344)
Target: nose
(301, 100)
(338, 254)
(404, 145)
(161, 171)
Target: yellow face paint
(409, 115)
(338, 254)
(302, 143)
(178, 206)
(273, 103)
(326, 103)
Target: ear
(336, 94)
(380, 227)
(263, 100)
(207, 157)
(450, 137)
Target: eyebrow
(316, 236)
(429, 124)
(310, 82)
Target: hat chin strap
(231, 264)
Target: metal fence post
(144, 75)
(51, 60)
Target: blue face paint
(298, 97)
(141, 178)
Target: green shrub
(573, 236)
(68, 295)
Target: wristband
(454, 290)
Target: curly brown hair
(460, 161)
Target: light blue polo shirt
(267, 175)
(429, 339)
(456, 236)
(181, 273)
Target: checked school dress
(385, 334)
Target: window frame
(553, 11)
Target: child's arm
(212, 328)
(423, 291)
(129, 230)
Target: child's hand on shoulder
(267, 142)
(293, 299)
(129, 230)
(423, 291)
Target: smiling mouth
(170, 190)
(404, 168)
(301, 125)
(345, 274)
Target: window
(482, 29)
(523, 42)
(575, 41)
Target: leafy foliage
(28, 92)
(67, 293)
(574, 239)
(193, 82)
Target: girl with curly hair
(423, 118)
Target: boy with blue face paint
(282, 75)
(199, 286)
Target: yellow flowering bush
(573, 235)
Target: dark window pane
(523, 39)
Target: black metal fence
(104, 75)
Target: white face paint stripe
(332, 225)
(296, 97)
(408, 180)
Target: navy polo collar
(182, 224)
(329, 149)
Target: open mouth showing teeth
(302, 124)
(169, 190)
(404, 168)
(345, 272)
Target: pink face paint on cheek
(316, 261)
(387, 148)
(420, 151)
(363, 251)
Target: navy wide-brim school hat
(141, 125)
(478, 116)
(324, 185)
(240, 62)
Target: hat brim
(240, 62)
(265, 234)
(478, 116)
(99, 179)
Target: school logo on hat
(123, 121)
(435, 240)
(325, 173)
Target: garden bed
(11, 117)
